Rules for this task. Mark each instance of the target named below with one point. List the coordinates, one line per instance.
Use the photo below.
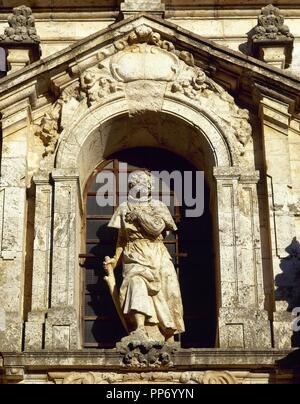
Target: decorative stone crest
(142, 353)
(21, 27)
(144, 58)
(271, 25)
(210, 377)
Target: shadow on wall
(246, 47)
(288, 282)
(291, 363)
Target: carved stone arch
(89, 136)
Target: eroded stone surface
(271, 25)
(21, 26)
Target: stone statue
(150, 298)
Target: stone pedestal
(277, 54)
(20, 56)
(62, 329)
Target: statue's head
(140, 184)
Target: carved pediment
(144, 56)
(151, 55)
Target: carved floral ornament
(210, 377)
(144, 55)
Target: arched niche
(179, 127)
(196, 134)
(191, 248)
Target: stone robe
(150, 284)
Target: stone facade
(230, 114)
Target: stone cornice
(209, 55)
(184, 359)
(171, 4)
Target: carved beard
(139, 200)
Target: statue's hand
(109, 264)
(131, 217)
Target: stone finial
(20, 39)
(271, 25)
(271, 39)
(21, 26)
(131, 7)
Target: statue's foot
(169, 336)
(136, 337)
(140, 333)
(170, 339)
